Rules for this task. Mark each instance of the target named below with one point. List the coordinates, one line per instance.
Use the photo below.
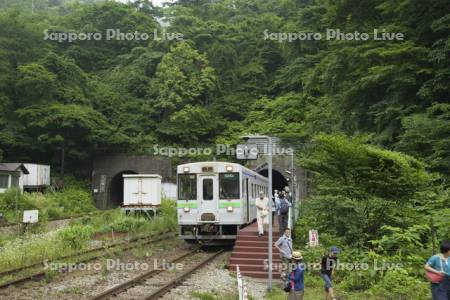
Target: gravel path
(217, 280)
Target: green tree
(74, 130)
(183, 77)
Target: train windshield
(187, 187)
(229, 186)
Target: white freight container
(141, 190)
(39, 176)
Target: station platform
(251, 252)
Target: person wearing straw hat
(296, 278)
(262, 204)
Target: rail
(137, 242)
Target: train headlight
(186, 169)
(229, 168)
(186, 209)
(229, 208)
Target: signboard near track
(246, 151)
(313, 238)
(30, 216)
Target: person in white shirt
(262, 211)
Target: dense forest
(371, 117)
(224, 78)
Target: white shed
(38, 177)
(141, 190)
(11, 175)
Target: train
(216, 199)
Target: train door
(248, 200)
(208, 191)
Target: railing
(242, 287)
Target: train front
(209, 203)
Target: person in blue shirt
(440, 265)
(296, 277)
(284, 245)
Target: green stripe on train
(195, 205)
(187, 204)
(223, 204)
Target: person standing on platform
(283, 212)
(262, 210)
(276, 200)
(288, 194)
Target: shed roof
(11, 167)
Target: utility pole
(294, 212)
(32, 6)
(269, 170)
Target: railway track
(97, 253)
(167, 279)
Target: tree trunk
(63, 157)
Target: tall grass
(165, 220)
(32, 248)
(71, 201)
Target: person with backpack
(438, 273)
(283, 211)
(295, 284)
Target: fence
(242, 287)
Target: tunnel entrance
(279, 182)
(116, 189)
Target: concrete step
(254, 255)
(255, 238)
(255, 233)
(251, 243)
(256, 249)
(252, 261)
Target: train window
(4, 181)
(187, 187)
(229, 186)
(208, 189)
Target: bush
(71, 201)
(9, 199)
(398, 285)
(76, 236)
(124, 223)
(55, 213)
